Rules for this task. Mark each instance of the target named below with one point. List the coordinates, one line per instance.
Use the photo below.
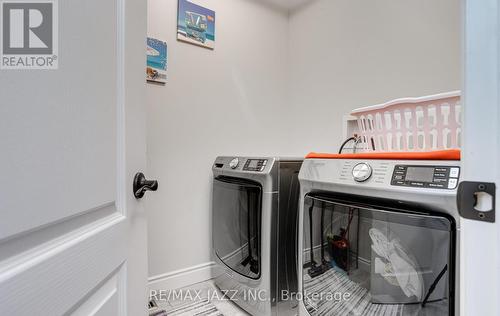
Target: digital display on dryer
(257, 165)
(420, 174)
(253, 163)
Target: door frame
(479, 241)
(131, 125)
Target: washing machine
(379, 234)
(254, 231)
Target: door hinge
(476, 201)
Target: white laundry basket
(411, 124)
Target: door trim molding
(121, 166)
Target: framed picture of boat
(156, 68)
(195, 24)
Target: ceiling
(287, 4)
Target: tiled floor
(197, 292)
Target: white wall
(277, 84)
(226, 101)
(349, 54)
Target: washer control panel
(433, 177)
(255, 165)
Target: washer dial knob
(234, 163)
(361, 172)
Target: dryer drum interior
(364, 259)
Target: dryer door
(375, 260)
(237, 205)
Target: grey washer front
(254, 231)
(388, 186)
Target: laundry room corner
(277, 83)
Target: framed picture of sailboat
(195, 24)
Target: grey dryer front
(254, 215)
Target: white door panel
(105, 300)
(66, 270)
(72, 236)
(59, 127)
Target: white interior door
(479, 242)
(72, 236)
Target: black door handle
(141, 185)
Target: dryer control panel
(255, 165)
(433, 177)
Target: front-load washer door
(237, 206)
(360, 259)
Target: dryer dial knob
(234, 163)
(361, 172)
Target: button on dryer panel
(233, 164)
(454, 172)
(452, 183)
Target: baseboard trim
(181, 278)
